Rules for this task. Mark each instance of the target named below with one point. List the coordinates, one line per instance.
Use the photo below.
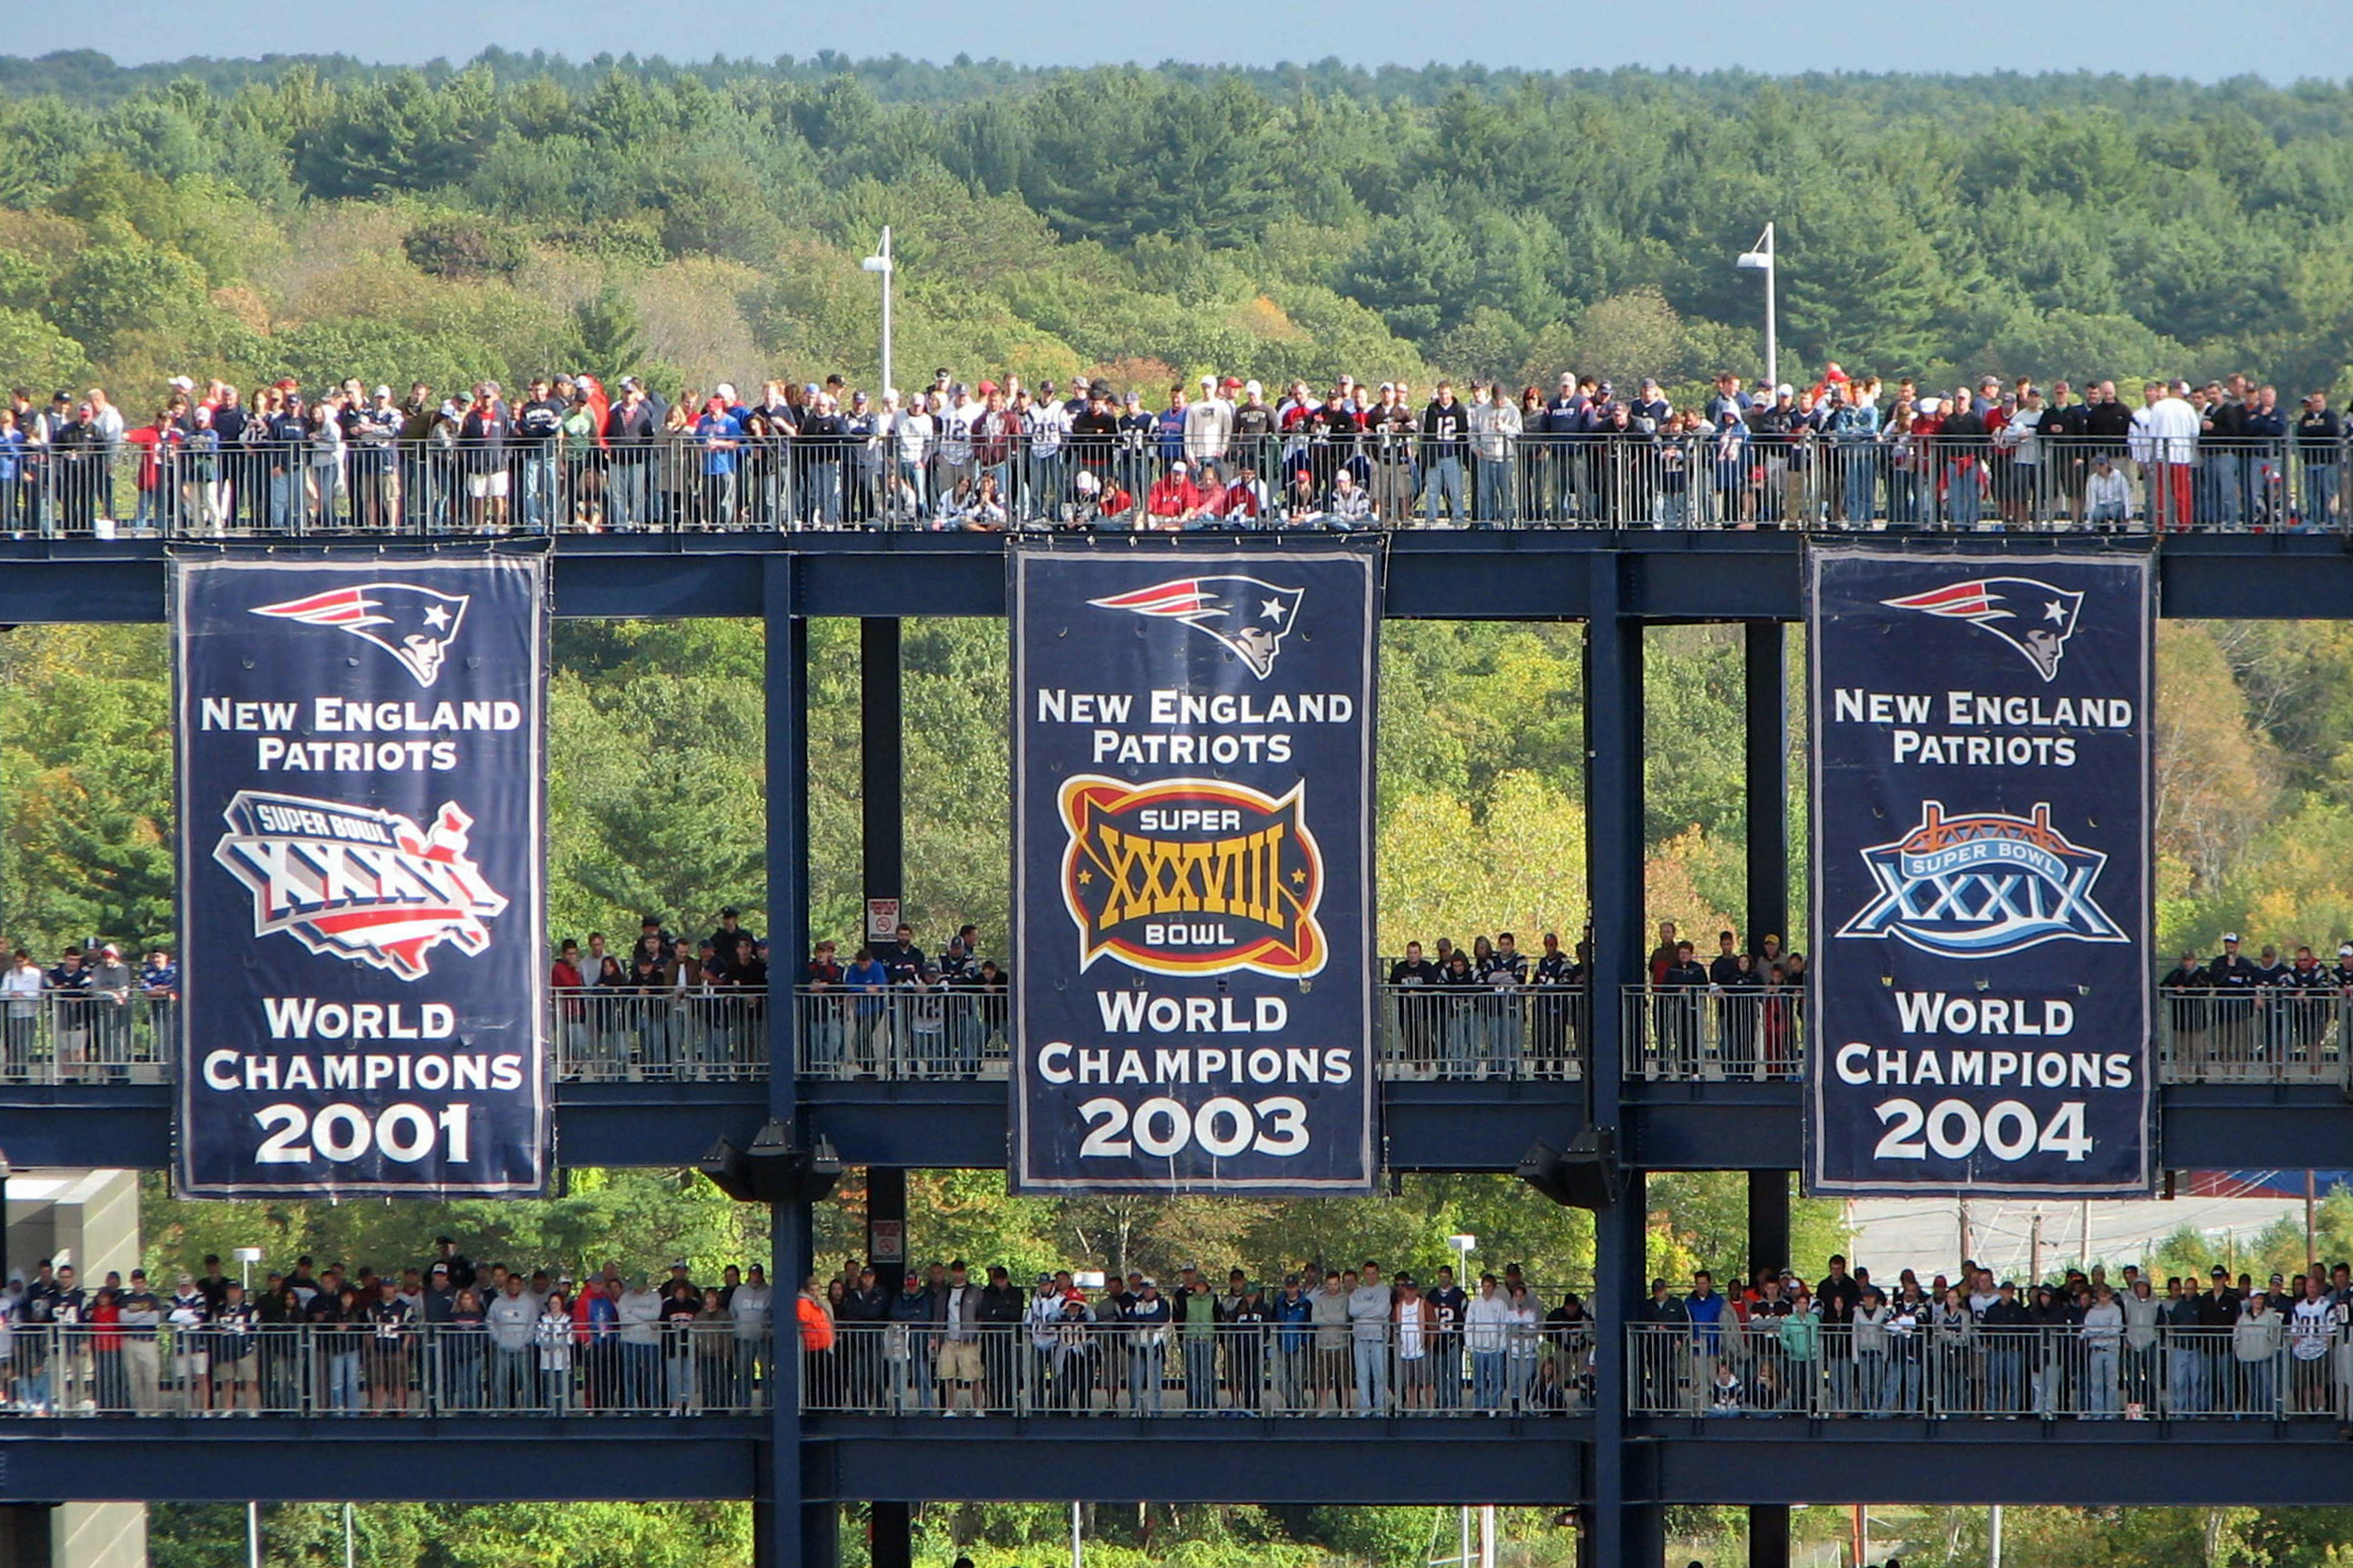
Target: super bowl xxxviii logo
(357, 883)
(1982, 885)
(1192, 876)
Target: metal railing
(1470, 1033)
(1967, 1371)
(2265, 1035)
(538, 1367)
(1308, 477)
(88, 1037)
(1075, 1365)
(1713, 1033)
(904, 1034)
(699, 1035)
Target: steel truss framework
(1618, 1471)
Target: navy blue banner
(1193, 925)
(361, 824)
(1980, 874)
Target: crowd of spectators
(1320, 1340)
(565, 451)
(443, 1335)
(1970, 1346)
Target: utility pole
(2035, 1251)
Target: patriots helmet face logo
(416, 626)
(1247, 616)
(2034, 617)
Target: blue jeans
(1494, 488)
(627, 503)
(538, 490)
(1372, 1377)
(1861, 482)
(1146, 1368)
(1447, 1365)
(1444, 477)
(641, 1376)
(343, 1380)
(1201, 1374)
(1899, 1388)
(2220, 481)
(2099, 1383)
(2320, 492)
(824, 502)
(2185, 1383)
(1961, 497)
(2260, 1384)
(1486, 1379)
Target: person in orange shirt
(819, 1388)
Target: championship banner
(362, 904)
(1193, 963)
(1980, 796)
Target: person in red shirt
(1173, 500)
(571, 1006)
(155, 444)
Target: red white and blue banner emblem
(362, 878)
(1980, 791)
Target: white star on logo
(1271, 609)
(2054, 611)
(437, 618)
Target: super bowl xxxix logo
(1192, 876)
(1982, 885)
(358, 883)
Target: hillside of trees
(317, 217)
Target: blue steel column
(1765, 680)
(1617, 1533)
(881, 761)
(788, 1531)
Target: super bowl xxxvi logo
(357, 883)
(1979, 886)
(1192, 876)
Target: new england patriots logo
(413, 625)
(358, 883)
(1983, 885)
(1246, 615)
(2032, 617)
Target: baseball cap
(1785, 390)
(1176, 468)
(2230, 936)
(1150, 1283)
(181, 383)
(441, 1268)
(1253, 388)
(382, 390)
(1045, 1279)
(912, 1276)
(1290, 1279)
(987, 387)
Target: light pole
(1761, 259)
(880, 262)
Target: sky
(2195, 38)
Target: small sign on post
(882, 919)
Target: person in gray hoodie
(1329, 1311)
(512, 1318)
(751, 1308)
(2142, 1314)
(638, 1312)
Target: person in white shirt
(752, 1308)
(1045, 423)
(2106, 497)
(21, 988)
(1486, 1324)
(2169, 425)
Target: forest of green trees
(323, 218)
(317, 217)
